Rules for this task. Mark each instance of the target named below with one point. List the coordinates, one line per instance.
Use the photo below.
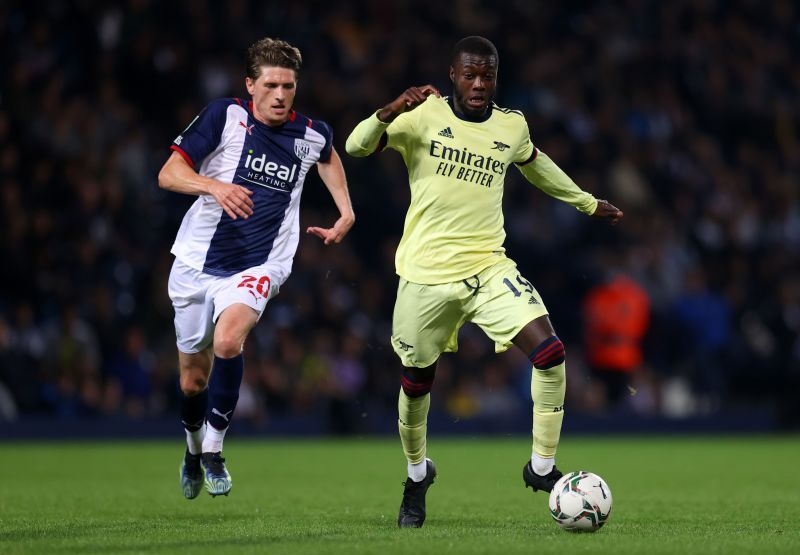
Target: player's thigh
(193, 306)
(425, 322)
(239, 302)
(534, 333)
(506, 305)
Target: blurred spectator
(703, 332)
(345, 382)
(130, 370)
(616, 316)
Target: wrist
(387, 114)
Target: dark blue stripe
(243, 243)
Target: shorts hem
(417, 365)
(218, 312)
(190, 351)
(502, 346)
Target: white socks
(194, 440)
(417, 472)
(212, 443)
(541, 465)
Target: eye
(468, 76)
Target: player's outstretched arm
(332, 174)
(178, 176)
(547, 176)
(365, 137)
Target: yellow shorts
(427, 317)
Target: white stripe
(285, 245)
(201, 220)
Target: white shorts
(199, 298)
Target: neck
(461, 113)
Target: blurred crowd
(684, 114)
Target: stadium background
(684, 114)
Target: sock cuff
(415, 387)
(549, 353)
(199, 398)
(229, 362)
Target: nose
(478, 84)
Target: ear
(251, 86)
(452, 75)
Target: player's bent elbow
(172, 172)
(354, 149)
(165, 178)
(162, 180)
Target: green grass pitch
(671, 495)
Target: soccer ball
(580, 502)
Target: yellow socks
(413, 425)
(547, 391)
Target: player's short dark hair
(479, 46)
(272, 53)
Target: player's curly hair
(273, 53)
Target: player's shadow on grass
(480, 523)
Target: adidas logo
(446, 133)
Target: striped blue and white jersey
(226, 142)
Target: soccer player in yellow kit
(451, 261)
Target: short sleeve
(400, 133)
(526, 152)
(327, 133)
(202, 136)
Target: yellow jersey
(456, 170)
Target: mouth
(279, 109)
(476, 101)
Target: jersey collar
(462, 116)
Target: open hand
(334, 234)
(608, 211)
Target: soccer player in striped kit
(451, 261)
(246, 160)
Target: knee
(548, 354)
(417, 382)
(227, 346)
(193, 382)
